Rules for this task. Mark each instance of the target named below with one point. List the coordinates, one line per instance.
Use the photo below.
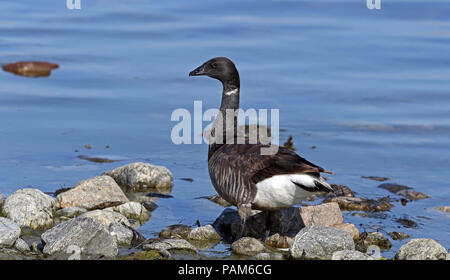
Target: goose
(240, 173)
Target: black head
(220, 68)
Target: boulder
(106, 217)
(132, 210)
(141, 176)
(82, 234)
(204, 233)
(247, 246)
(94, 193)
(30, 207)
(326, 214)
(421, 249)
(170, 244)
(123, 235)
(21, 246)
(223, 223)
(318, 242)
(9, 232)
(350, 255)
(69, 213)
(350, 228)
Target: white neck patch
(234, 91)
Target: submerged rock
(408, 223)
(318, 242)
(350, 255)
(398, 235)
(247, 246)
(376, 178)
(141, 176)
(393, 188)
(175, 232)
(361, 204)
(30, 207)
(31, 69)
(421, 249)
(94, 193)
(9, 232)
(413, 195)
(444, 209)
(204, 233)
(132, 210)
(373, 238)
(84, 233)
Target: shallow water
(369, 88)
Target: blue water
(369, 88)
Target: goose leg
(268, 225)
(244, 211)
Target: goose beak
(199, 71)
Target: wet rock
(141, 176)
(421, 249)
(122, 235)
(69, 213)
(218, 200)
(247, 246)
(394, 188)
(87, 234)
(96, 159)
(106, 217)
(395, 235)
(13, 254)
(361, 204)
(9, 232)
(94, 193)
(170, 244)
(350, 255)
(413, 195)
(279, 241)
(30, 207)
(338, 190)
(318, 242)
(444, 209)
(375, 178)
(350, 228)
(268, 257)
(22, 246)
(223, 223)
(408, 223)
(204, 233)
(144, 256)
(132, 210)
(373, 238)
(175, 232)
(30, 69)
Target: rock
(361, 204)
(408, 223)
(268, 257)
(132, 210)
(175, 232)
(318, 242)
(144, 255)
(22, 246)
(9, 232)
(13, 254)
(338, 190)
(84, 233)
(106, 217)
(1, 202)
(398, 235)
(413, 195)
(170, 244)
(141, 176)
(204, 233)
(30, 207)
(218, 200)
(69, 213)
(350, 228)
(376, 178)
(444, 209)
(421, 249)
(448, 257)
(94, 193)
(350, 255)
(279, 241)
(223, 223)
(247, 246)
(122, 235)
(326, 214)
(373, 238)
(393, 188)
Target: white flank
(279, 191)
(234, 91)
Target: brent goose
(239, 172)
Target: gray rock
(13, 254)
(421, 249)
(268, 257)
(448, 257)
(122, 235)
(21, 245)
(225, 220)
(84, 233)
(170, 244)
(9, 232)
(133, 210)
(318, 242)
(175, 232)
(204, 233)
(141, 176)
(94, 193)
(69, 213)
(373, 238)
(106, 217)
(30, 207)
(350, 255)
(247, 246)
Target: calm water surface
(369, 88)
